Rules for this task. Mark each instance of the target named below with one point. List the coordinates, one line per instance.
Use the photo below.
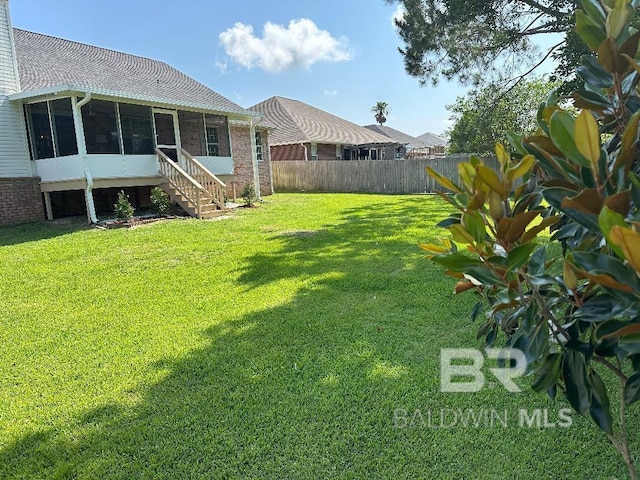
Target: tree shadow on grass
(304, 389)
(33, 232)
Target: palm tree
(381, 110)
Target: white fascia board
(117, 96)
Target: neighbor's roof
(432, 140)
(298, 122)
(46, 63)
(397, 135)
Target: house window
(338, 152)
(314, 151)
(213, 141)
(52, 129)
(259, 146)
(217, 135)
(101, 127)
(137, 131)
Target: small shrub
(122, 208)
(249, 194)
(160, 202)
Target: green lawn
(279, 343)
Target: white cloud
(331, 93)
(398, 14)
(301, 44)
(222, 65)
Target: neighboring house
(304, 132)
(78, 123)
(411, 146)
(437, 145)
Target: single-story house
(412, 146)
(436, 144)
(304, 132)
(78, 123)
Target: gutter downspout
(82, 150)
(306, 159)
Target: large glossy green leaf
(483, 275)
(474, 224)
(548, 373)
(587, 138)
(618, 19)
(590, 100)
(562, 131)
(444, 181)
(628, 346)
(605, 264)
(455, 261)
(599, 308)
(628, 152)
(555, 196)
(607, 219)
(537, 262)
(590, 32)
(519, 256)
(595, 11)
(615, 329)
(600, 408)
(632, 389)
(574, 371)
(593, 73)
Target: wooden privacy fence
(370, 176)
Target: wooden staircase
(198, 191)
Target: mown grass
(284, 342)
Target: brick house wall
(281, 153)
(20, 200)
(326, 152)
(192, 132)
(242, 161)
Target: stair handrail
(195, 185)
(218, 186)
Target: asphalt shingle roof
(45, 61)
(298, 122)
(432, 140)
(397, 135)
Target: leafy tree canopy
(469, 40)
(480, 120)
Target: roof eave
(73, 89)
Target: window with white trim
(51, 129)
(314, 151)
(259, 155)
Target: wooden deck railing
(212, 184)
(182, 181)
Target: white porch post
(47, 205)
(82, 152)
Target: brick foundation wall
(20, 201)
(242, 160)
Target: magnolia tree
(575, 314)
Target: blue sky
(338, 55)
